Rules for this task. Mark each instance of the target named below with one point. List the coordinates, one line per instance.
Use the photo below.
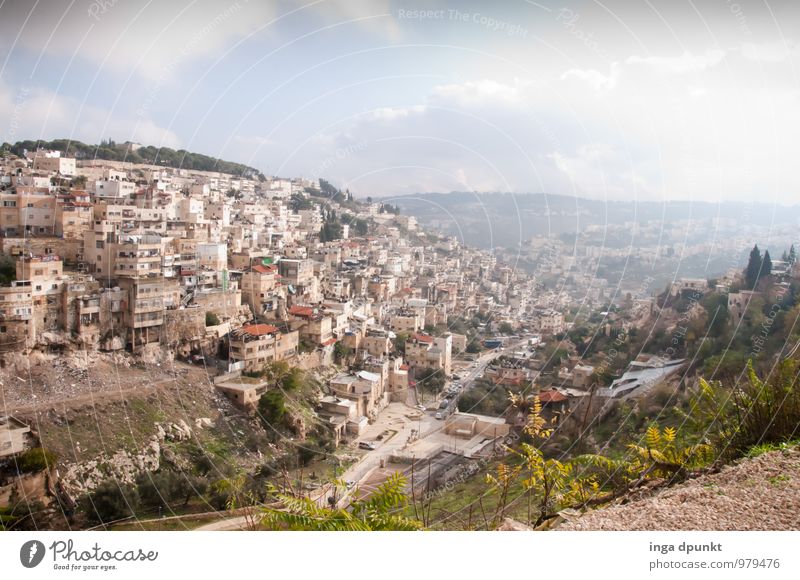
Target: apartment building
(425, 351)
(255, 345)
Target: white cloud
(598, 81)
(598, 170)
(482, 92)
(150, 38)
(770, 51)
(685, 63)
(35, 113)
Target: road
(397, 415)
(401, 418)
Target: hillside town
(416, 341)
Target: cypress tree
(753, 267)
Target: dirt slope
(754, 494)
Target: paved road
(396, 417)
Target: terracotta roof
(261, 269)
(260, 329)
(329, 342)
(552, 396)
(424, 338)
(301, 311)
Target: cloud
(36, 113)
(599, 170)
(598, 81)
(147, 37)
(770, 51)
(685, 63)
(482, 92)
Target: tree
(474, 346)
(212, 319)
(751, 273)
(382, 511)
(766, 265)
(341, 351)
(36, 459)
(8, 269)
(272, 409)
(159, 489)
(429, 380)
(792, 257)
(110, 501)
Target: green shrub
(109, 502)
(36, 459)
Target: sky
(652, 100)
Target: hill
(754, 494)
(179, 159)
(492, 219)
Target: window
(38, 287)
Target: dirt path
(754, 494)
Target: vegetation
(429, 381)
(109, 502)
(148, 154)
(8, 269)
(212, 319)
(164, 487)
(35, 460)
(380, 512)
(272, 410)
(757, 267)
(760, 412)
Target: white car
(422, 407)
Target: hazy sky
(619, 100)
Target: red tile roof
(329, 342)
(552, 396)
(260, 329)
(301, 311)
(424, 338)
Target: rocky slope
(753, 494)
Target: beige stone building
(258, 344)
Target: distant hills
(130, 153)
(505, 219)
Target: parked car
(368, 445)
(422, 407)
(439, 415)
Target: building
(14, 436)
(256, 345)
(425, 351)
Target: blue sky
(663, 100)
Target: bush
(164, 487)
(272, 410)
(34, 460)
(212, 319)
(759, 412)
(110, 501)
